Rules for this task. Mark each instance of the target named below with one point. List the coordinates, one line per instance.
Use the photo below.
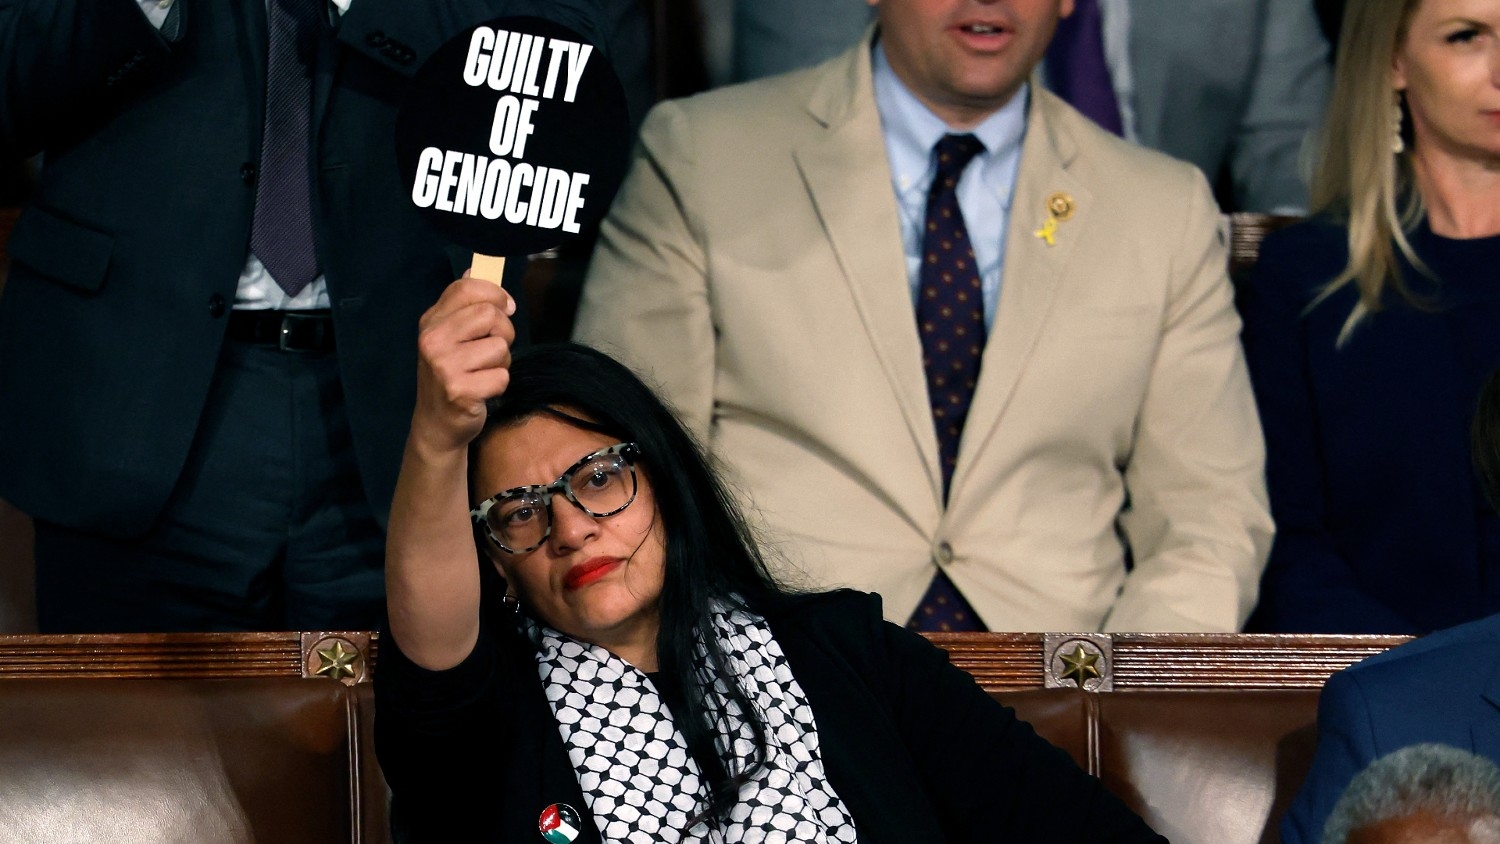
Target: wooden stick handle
(491, 268)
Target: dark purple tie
(281, 235)
(950, 322)
(1077, 70)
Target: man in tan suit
(763, 266)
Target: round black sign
(513, 136)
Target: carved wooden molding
(1000, 662)
(1169, 661)
(1078, 661)
(180, 655)
(347, 657)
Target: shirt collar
(912, 130)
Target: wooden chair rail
(344, 656)
(1001, 662)
(1160, 661)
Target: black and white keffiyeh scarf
(633, 764)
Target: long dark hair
(711, 553)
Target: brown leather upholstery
(374, 802)
(1215, 766)
(204, 761)
(1207, 736)
(188, 738)
(242, 737)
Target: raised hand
(463, 352)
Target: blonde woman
(1370, 329)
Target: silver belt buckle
(286, 331)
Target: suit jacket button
(247, 173)
(944, 553)
(216, 306)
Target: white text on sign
(510, 61)
(522, 193)
(474, 185)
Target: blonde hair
(1358, 177)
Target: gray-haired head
(1432, 779)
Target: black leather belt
(289, 331)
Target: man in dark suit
(206, 430)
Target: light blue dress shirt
(984, 190)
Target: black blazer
(126, 261)
(914, 747)
(1381, 526)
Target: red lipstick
(589, 571)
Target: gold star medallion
(1082, 665)
(336, 661)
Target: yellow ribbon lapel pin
(1060, 208)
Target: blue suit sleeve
(1346, 744)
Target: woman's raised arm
(432, 574)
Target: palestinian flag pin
(559, 824)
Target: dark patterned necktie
(950, 322)
(281, 235)
(1077, 70)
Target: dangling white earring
(1398, 143)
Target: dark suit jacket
(1380, 524)
(915, 749)
(126, 261)
(1442, 688)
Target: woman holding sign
(614, 663)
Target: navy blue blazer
(1442, 688)
(1381, 524)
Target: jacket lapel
(847, 177)
(329, 51)
(248, 17)
(1035, 270)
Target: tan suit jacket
(752, 269)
